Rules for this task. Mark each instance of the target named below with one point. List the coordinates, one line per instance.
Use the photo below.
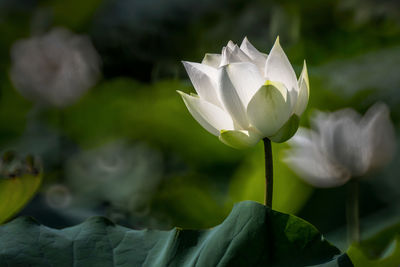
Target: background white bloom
(54, 69)
(342, 145)
(244, 95)
(127, 176)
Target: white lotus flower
(342, 145)
(244, 95)
(55, 68)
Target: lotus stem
(61, 144)
(352, 213)
(268, 173)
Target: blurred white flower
(245, 95)
(54, 69)
(342, 145)
(125, 176)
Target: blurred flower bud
(54, 69)
(342, 145)
(58, 196)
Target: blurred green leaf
(74, 13)
(123, 108)
(252, 235)
(13, 112)
(19, 181)
(191, 201)
(382, 249)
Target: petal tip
(277, 40)
(183, 94)
(305, 67)
(186, 64)
(277, 45)
(230, 44)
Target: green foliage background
(352, 51)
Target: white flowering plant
(244, 95)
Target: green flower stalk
(244, 96)
(269, 174)
(352, 212)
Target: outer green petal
(287, 130)
(239, 139)
(304, 92)
(269, 109)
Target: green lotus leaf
(252, 235)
